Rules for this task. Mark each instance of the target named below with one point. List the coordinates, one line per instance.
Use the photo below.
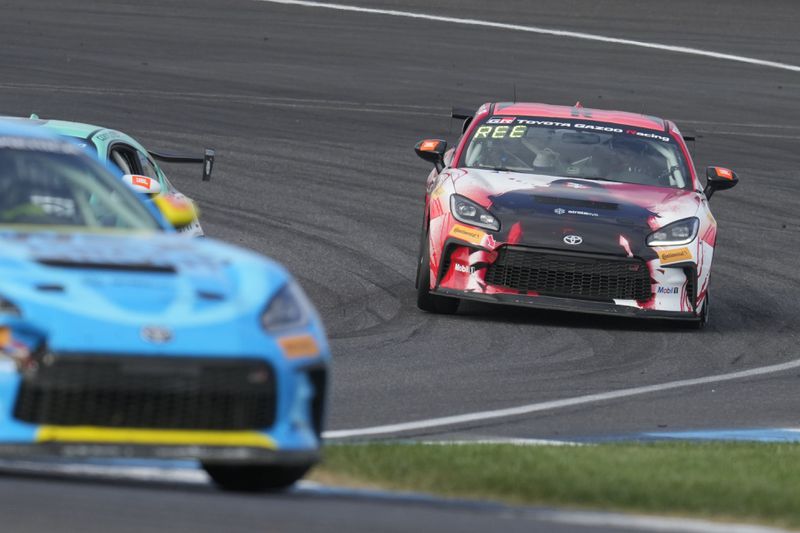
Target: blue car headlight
(7, 308)
(288, 309)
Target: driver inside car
(631, 160)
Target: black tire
(255, 478)
(432, 303)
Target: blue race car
(119, 338)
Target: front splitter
(568, 304)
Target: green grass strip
(750, 482)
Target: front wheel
(432, 303)
(255, 478)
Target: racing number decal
(500, 132)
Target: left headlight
(466, 211)
(287, 309)
(8, 308)
(680, 232)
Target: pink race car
(568, 208)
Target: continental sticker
(674, 256)
(471, 235)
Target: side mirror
(432, 150)
(719, 179)
(179, 212)
(142, 184)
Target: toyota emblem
(573, 240)
(156, 334)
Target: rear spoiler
(207, 160)
(461, 113)
(464, 114)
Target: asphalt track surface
(314, 114)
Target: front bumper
(206, 454)
(567, 304)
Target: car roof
(92, 134)
(11, 127)
(577, 111)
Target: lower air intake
(148, 392)
(570, 275)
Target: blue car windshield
(49, 184)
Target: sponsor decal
(674, 256)
(573, 240)
(515, 127)
(501, 120)
(142, 181)
(667, 290)
(464, 268)
(298, 346)
(560, 211)
(471, 235)
(648, 135)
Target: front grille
(148, 392)
(570, 275)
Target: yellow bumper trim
(87, 434)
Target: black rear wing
(207, 160)
(462, 113)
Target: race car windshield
(589, 150)
(65, 190)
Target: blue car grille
(148, 392)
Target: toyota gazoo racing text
(120, 338)
(568, 208)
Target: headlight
(466, 211)
(8, 308)
(680, 232)
(288, 309)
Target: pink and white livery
(568, 208)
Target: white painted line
(483, 416)
(542, 31)
(511, 441)
(650, 523)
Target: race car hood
(550, 212)
(98, 292)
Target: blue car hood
(90, 292)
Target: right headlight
(680, 232)
(288, 309)
(466, 211)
